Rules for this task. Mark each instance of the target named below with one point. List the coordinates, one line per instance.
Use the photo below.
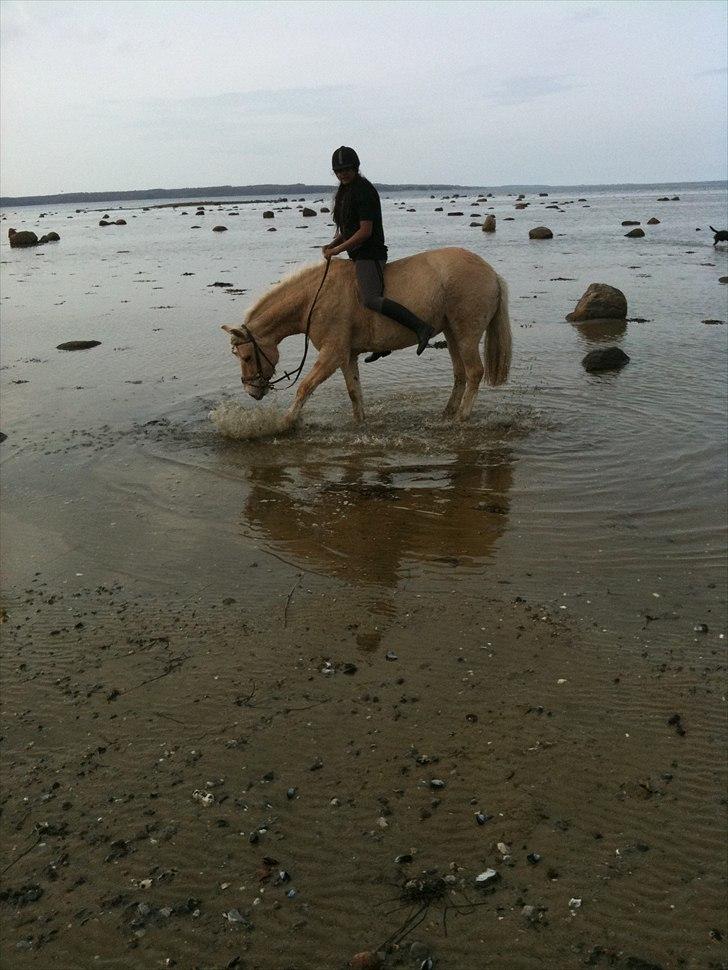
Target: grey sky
(126, 94)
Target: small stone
(391, 655)
(481, 818)
(437, 783)
(503, 848)
(366, 960)
(534, 858)
(291, 793)
(700, 628)
(234, 916)
(487, 878)
(402, 859)
(528, 911)
(574, 904)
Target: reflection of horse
(363, 523)
(453, 290)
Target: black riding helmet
(344, 158)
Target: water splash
(234, 421)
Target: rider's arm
(353, 242)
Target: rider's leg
(370, 276)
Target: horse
(452, 289)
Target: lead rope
(297, 372)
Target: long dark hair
(342, 201)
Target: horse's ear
(233, 331)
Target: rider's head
(345, 163)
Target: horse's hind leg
(470, 353)
(458, 369)
(350, 370)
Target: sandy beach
(270, 704)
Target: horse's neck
(284, 312)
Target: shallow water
(601, 494)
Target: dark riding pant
(370, 277)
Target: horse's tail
(497, 355)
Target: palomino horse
(453, 290)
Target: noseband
(258, 380)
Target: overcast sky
(127, 94)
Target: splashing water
(234, 421)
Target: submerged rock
(634, 234)
(78, 345)
(540, 232)
(611, 358)
(308, 212)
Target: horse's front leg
(350, 370)
(322, 369)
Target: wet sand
(318, 736)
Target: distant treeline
(208, 191)
(300, 188)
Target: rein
(259, 352)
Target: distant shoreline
(300, 188)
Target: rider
(359, 232)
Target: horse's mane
(277, 293)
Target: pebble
(437, 783)
(503, 848)
(528, 912)
(234, 916)
(534, 858)
(291, 793)
(487, 878)
(700, 628)
(402, 859)
(391, 655)
(574, 904)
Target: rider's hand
(326, 250)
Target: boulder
(53, 237)
(78, 344)
(105, 222)
(219, 229)
(272, 229)
(308, 212)
(521, 205)
(324, 209)
(600, 302)
(634, 234)
(489, 224)
(269, 215)
(438, 209)
(543, 195)
(611, 358)
(630, 222)
(120, 222)
(653, 222)
(723, 279)
(23, 238)
(540, 232)
(454, 213)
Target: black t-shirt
(362, 204)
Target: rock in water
(653, 222)
(269, 215)
(540, 232)
(634, 234)
(600, 302)
(489, 224)
(78, 344)
(611, 358)
(219, 228)
(23, 238)
(308, 212)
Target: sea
(600, 496)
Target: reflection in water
(367, 522)
(600, 331)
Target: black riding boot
(395, 311)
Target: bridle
(258, 379)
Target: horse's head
(258, 359)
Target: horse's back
(449, 276)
